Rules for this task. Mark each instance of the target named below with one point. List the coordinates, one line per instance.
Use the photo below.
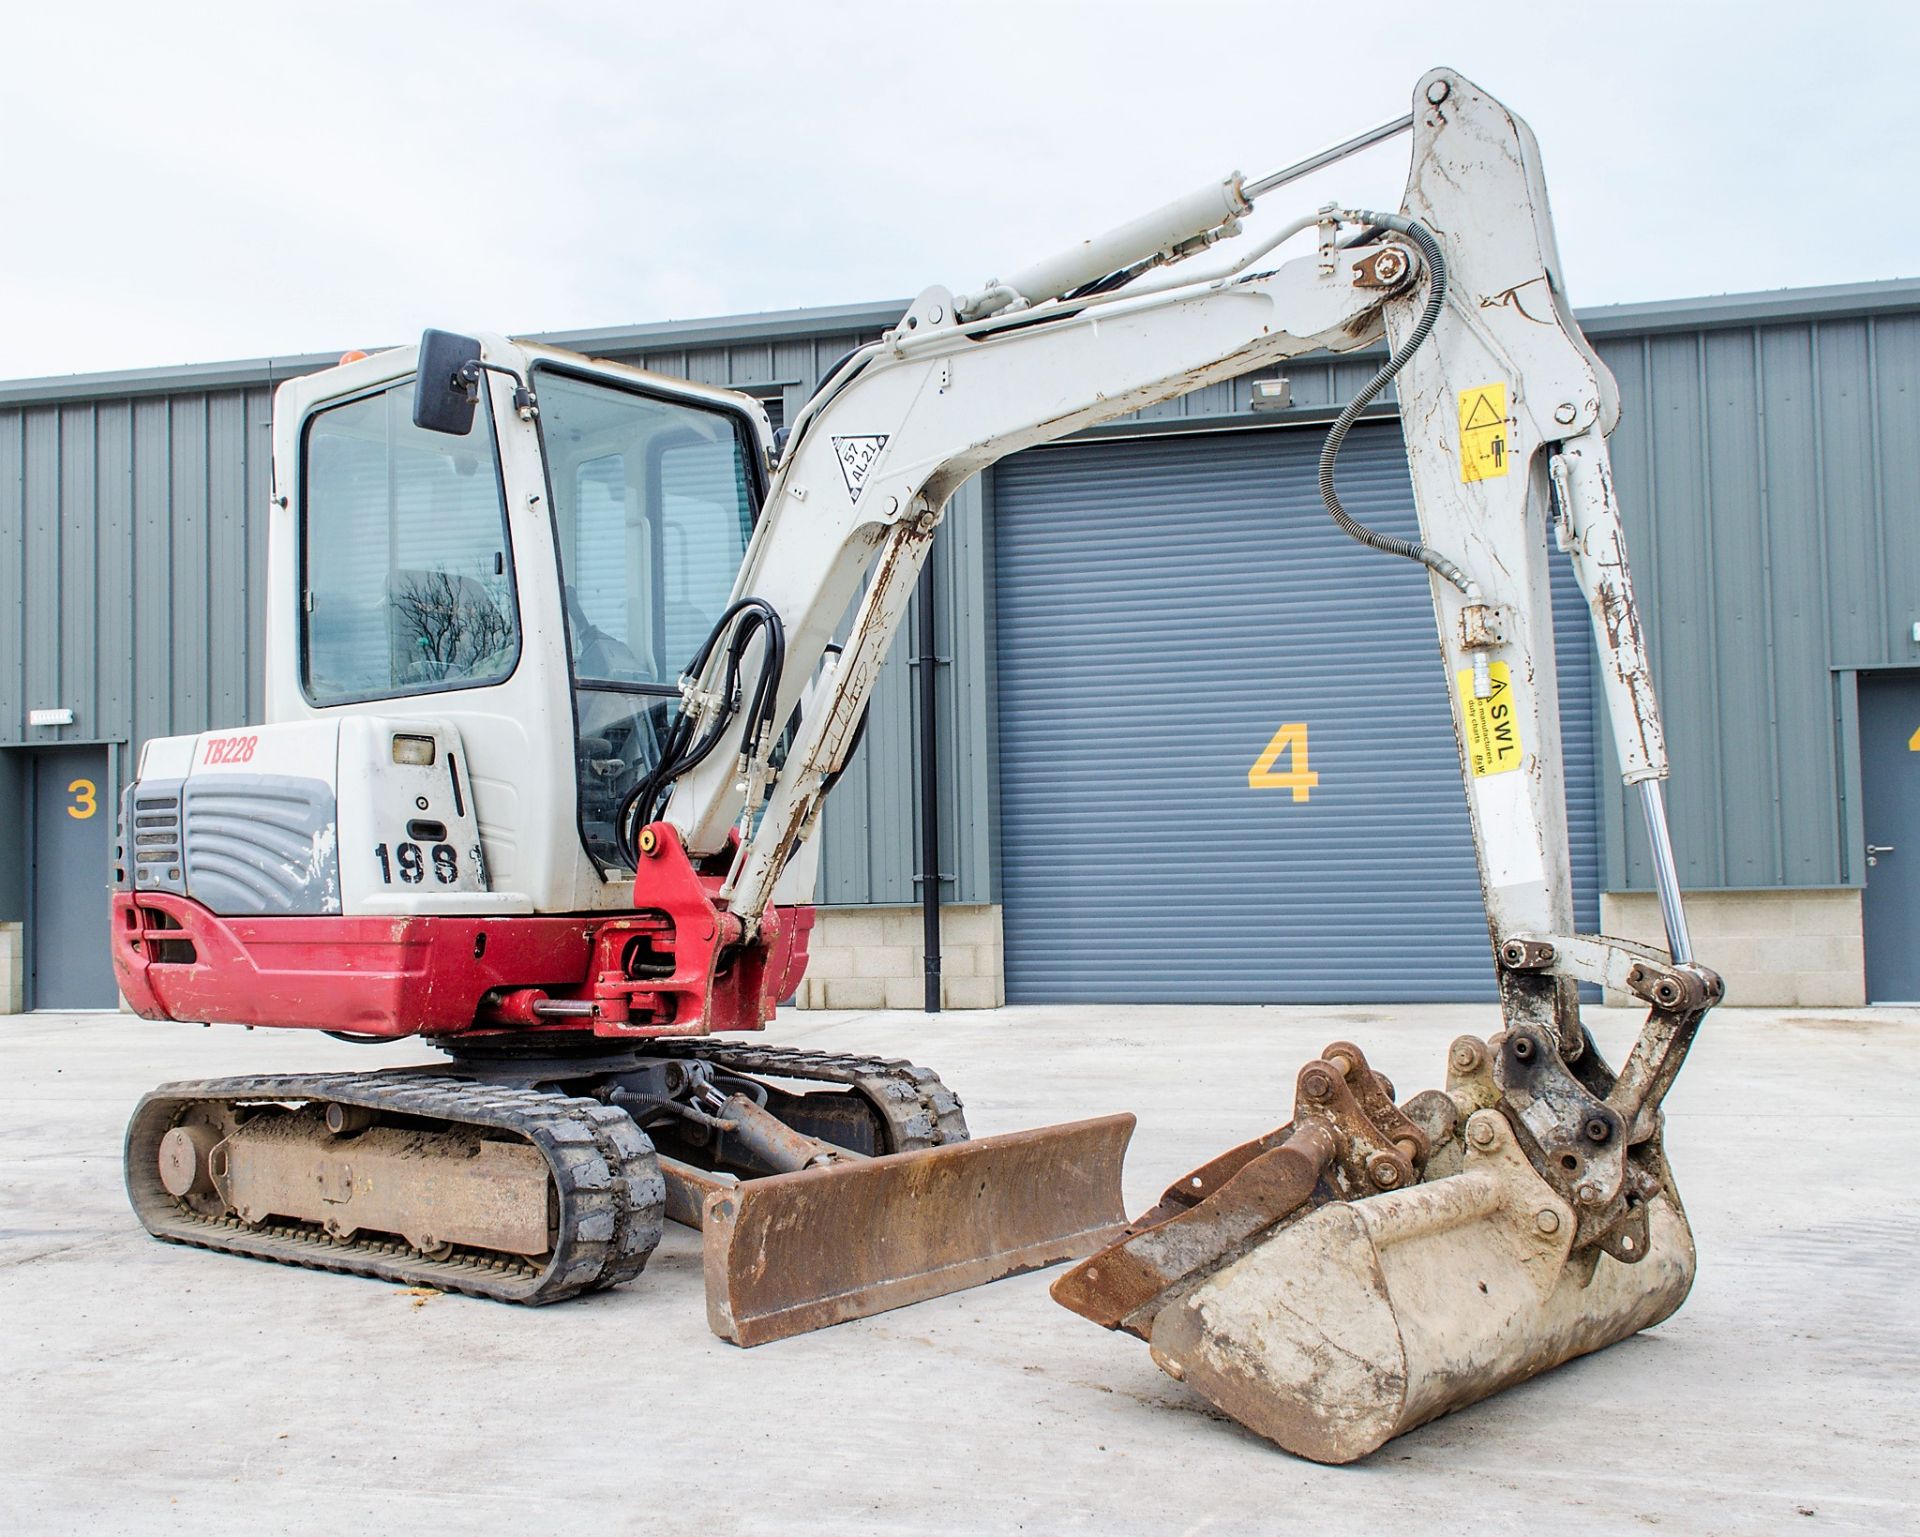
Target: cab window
(406, 583)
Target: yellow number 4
(1300, 779)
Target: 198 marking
(411, 866)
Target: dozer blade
(794, 1252)
(1366, 1318)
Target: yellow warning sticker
(1486, 444)
(1913, 742)
(1492, 725)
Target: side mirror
(448, 385)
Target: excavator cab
(632, 501)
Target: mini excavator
(554, 700)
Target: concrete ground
(151, 1387)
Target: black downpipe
(929, 791)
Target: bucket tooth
(793, 1252)
(1367, 1318)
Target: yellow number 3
(83, 793)
(1300, 779)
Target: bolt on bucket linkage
(1371, 1266)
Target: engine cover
(354, 815)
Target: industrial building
(1192, 744)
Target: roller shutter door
(1164, 607)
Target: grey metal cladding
(261, 845)
(1766, 477)
(133, 564)
(151, 836)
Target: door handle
(1875, 850)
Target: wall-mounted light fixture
(1271, 394)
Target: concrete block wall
(13, 968)
(1774, 948)
(873, 958)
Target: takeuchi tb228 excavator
(554, 702)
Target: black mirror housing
(447, 388)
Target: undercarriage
(523, 1176)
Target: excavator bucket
(1367, 1318)
(792, 1252)
(1371, 1266)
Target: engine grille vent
(153, 841)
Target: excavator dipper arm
(1505, 411)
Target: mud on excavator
(563, 660)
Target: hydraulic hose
(681, 753)
(1406, 549)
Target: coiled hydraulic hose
(1406, 549)
(681, 753)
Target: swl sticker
(1492, 724)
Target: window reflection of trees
(444, 626)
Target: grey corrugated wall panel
(133, 561)
(14, 543)
(1164, 605)
(13, 838)
(1767, 477)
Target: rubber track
(612, 1195)
(920, 1111)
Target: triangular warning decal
(857, 459)
(1480, 414)
(1485, 452)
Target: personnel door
(68, 965)
(1890, 800)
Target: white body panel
(320, 811)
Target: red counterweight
(676, 965)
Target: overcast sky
(193, 182)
